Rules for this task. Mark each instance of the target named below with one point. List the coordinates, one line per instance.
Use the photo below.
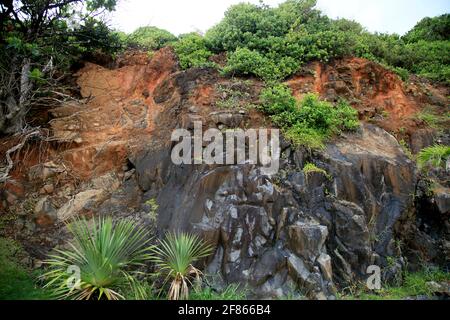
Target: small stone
(129, 174)
(44, 213)
(320, 296)
(10, 198)
(47, 189)
(193, 109)
(324, 262)
(436, 287)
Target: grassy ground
(232, 292)
(16, 283)
(414, 285)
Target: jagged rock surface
(314, 232)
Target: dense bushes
(192, 51)
(308, 123)
(150, 38)
(272, 43)
(430, 29)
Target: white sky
(182, 16)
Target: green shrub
(435, 156)
(150, 38)
(243, 61)
(108, 256)
(312, 121)
(278, 99)
(236, 94)
(429, 59)
(310, 168)
(272, 43)
(430, 29)
(192, 51)
(301, 135)
(175, 256)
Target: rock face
(275, 232)
(316, 233)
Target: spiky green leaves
(175, 256)
(103, 259)
(435, 156)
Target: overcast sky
(181, 16)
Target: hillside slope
(109, 153)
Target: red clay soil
(377, 93)
(118, 114)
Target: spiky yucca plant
(436, 155)
(107, 255)
(175, 256)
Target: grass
(414, 284)
(232, 292)
(433, 120)
(311, 168)
(16, 282)
(435, 156)
(234, 95)
(406, 149)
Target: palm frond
(175, 256)
(104, 252)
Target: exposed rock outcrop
(316, 232)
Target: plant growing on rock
(108, 256)
(311, 168)
(175, 256)
(435, 156)
(192, 51)
(309, 122)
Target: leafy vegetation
(430, 29)
(107, 257)
(235, 94)
(192, 51)
(231, 292)
(16, 282)
(42, 40)
(175, 256)
(39, 42)
(150, 38)
(308, 123)
(432, 119)
(272, 43)
(435, 156)
(311, 168)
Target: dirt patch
(379, 95)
